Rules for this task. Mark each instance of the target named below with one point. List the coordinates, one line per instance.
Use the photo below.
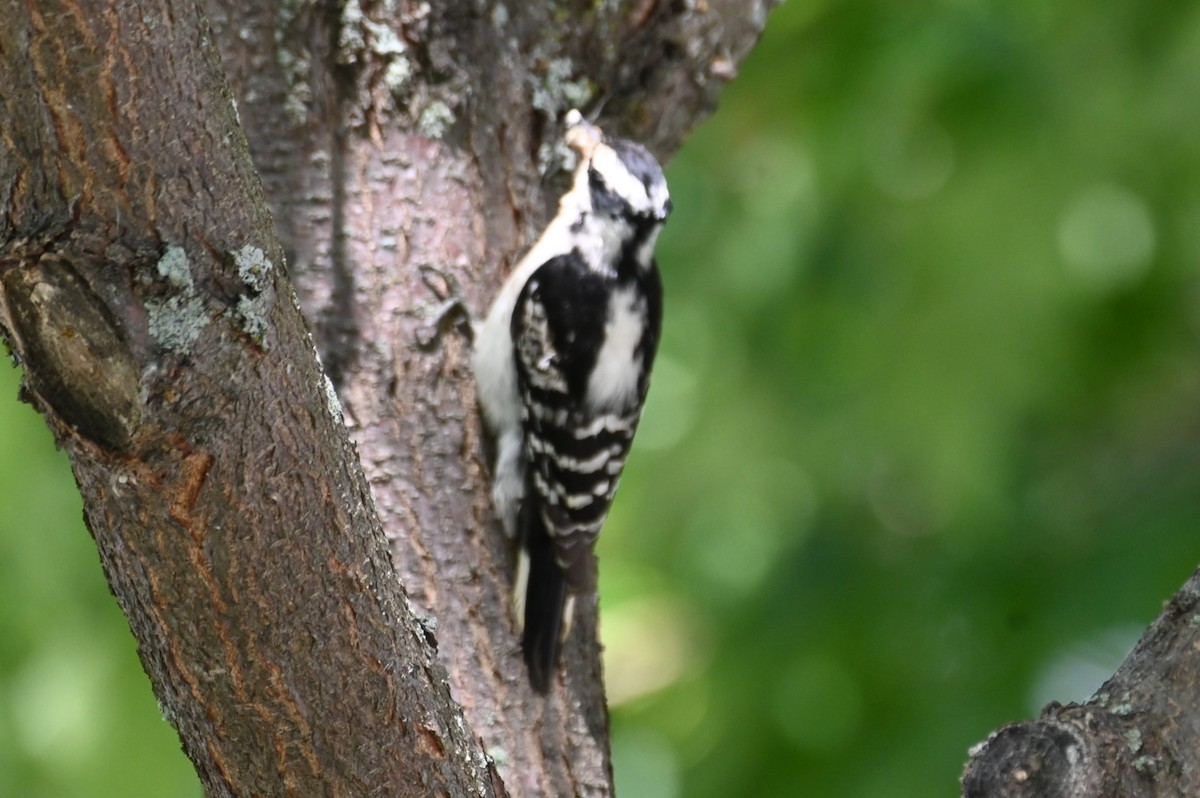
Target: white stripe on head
(620, 180)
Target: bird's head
(623, 179)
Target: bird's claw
(452, 312)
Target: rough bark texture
(143, 287)
(1136, 738)
(403, 136)
(143, 291)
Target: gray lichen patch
(293, 57)
(251, 312)
(175, 267)
(360, 37)
(398, 74)
(556, 89)
(254, 268)
(176, 317)
(500, 17)
(435, 120)
(253, 308)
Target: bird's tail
(540, 598)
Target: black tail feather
(544, 598)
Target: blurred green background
(923, 449)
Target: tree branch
(1136, 738)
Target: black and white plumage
(562, 365)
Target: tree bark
(143, 287)
(1137, 737)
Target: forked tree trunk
(173, 178)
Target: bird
(562, 365)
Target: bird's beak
(582, 136)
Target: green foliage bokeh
(921, 450)
(922, 454)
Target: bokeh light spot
(1106, 237)
(1075, 673)
(649, 643)
(649, 766)
(57, 699)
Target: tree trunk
(143, 286)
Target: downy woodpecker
(562, 364)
